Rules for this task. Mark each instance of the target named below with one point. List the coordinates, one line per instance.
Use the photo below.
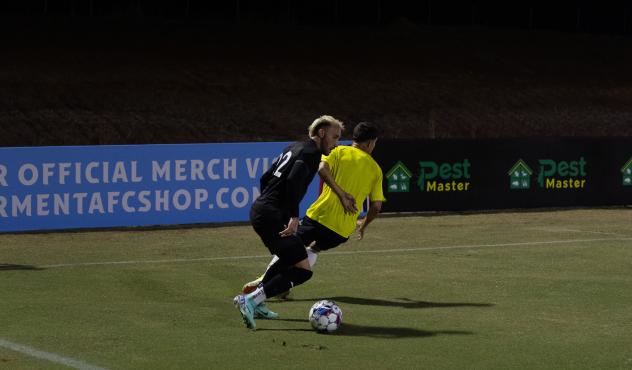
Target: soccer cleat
(247, 309)
(262, 312)
(250, 286)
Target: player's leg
(280, 278)
(267, 222)
(261, 310)
(324, 239)
(252, 285)
(290, 270)
(310, 233)
(273, 269)
(306, 233)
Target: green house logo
(627, 173)
(520, 176)
(399, 178)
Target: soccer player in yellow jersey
(354, 170)
(328, 222)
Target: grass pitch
(534, 290)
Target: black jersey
(285, 183)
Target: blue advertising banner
(44, 188)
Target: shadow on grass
(386, 332)
(401, 302)
(7, 267)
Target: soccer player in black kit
(275, 216)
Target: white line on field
(156, 261)
(30, 351)
(341, 252)
(487, 245)
(555, 230)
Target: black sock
(276, 268)
(285, 281)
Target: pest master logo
(444, 176)
(562, 174)
(433, 176)
(551, 175)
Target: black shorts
(310, 231)
(268, 222)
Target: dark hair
(365, 131)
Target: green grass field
(532, 290)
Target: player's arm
(297, 182)
(375, 203)
(347, 200)
(265, 178)
(374, 209)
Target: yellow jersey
(357, 173)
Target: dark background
(570, 15)
(78, 72)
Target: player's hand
(360, 233)
(348, 203)
(360, 225)
(291, 228)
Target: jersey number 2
(282, 162)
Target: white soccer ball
(325, 316)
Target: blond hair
(324, 121)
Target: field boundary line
(52, 357)
(466, 246)
(135, 262)
(516, 244)
(555, 230)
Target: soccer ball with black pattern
(325, 316)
